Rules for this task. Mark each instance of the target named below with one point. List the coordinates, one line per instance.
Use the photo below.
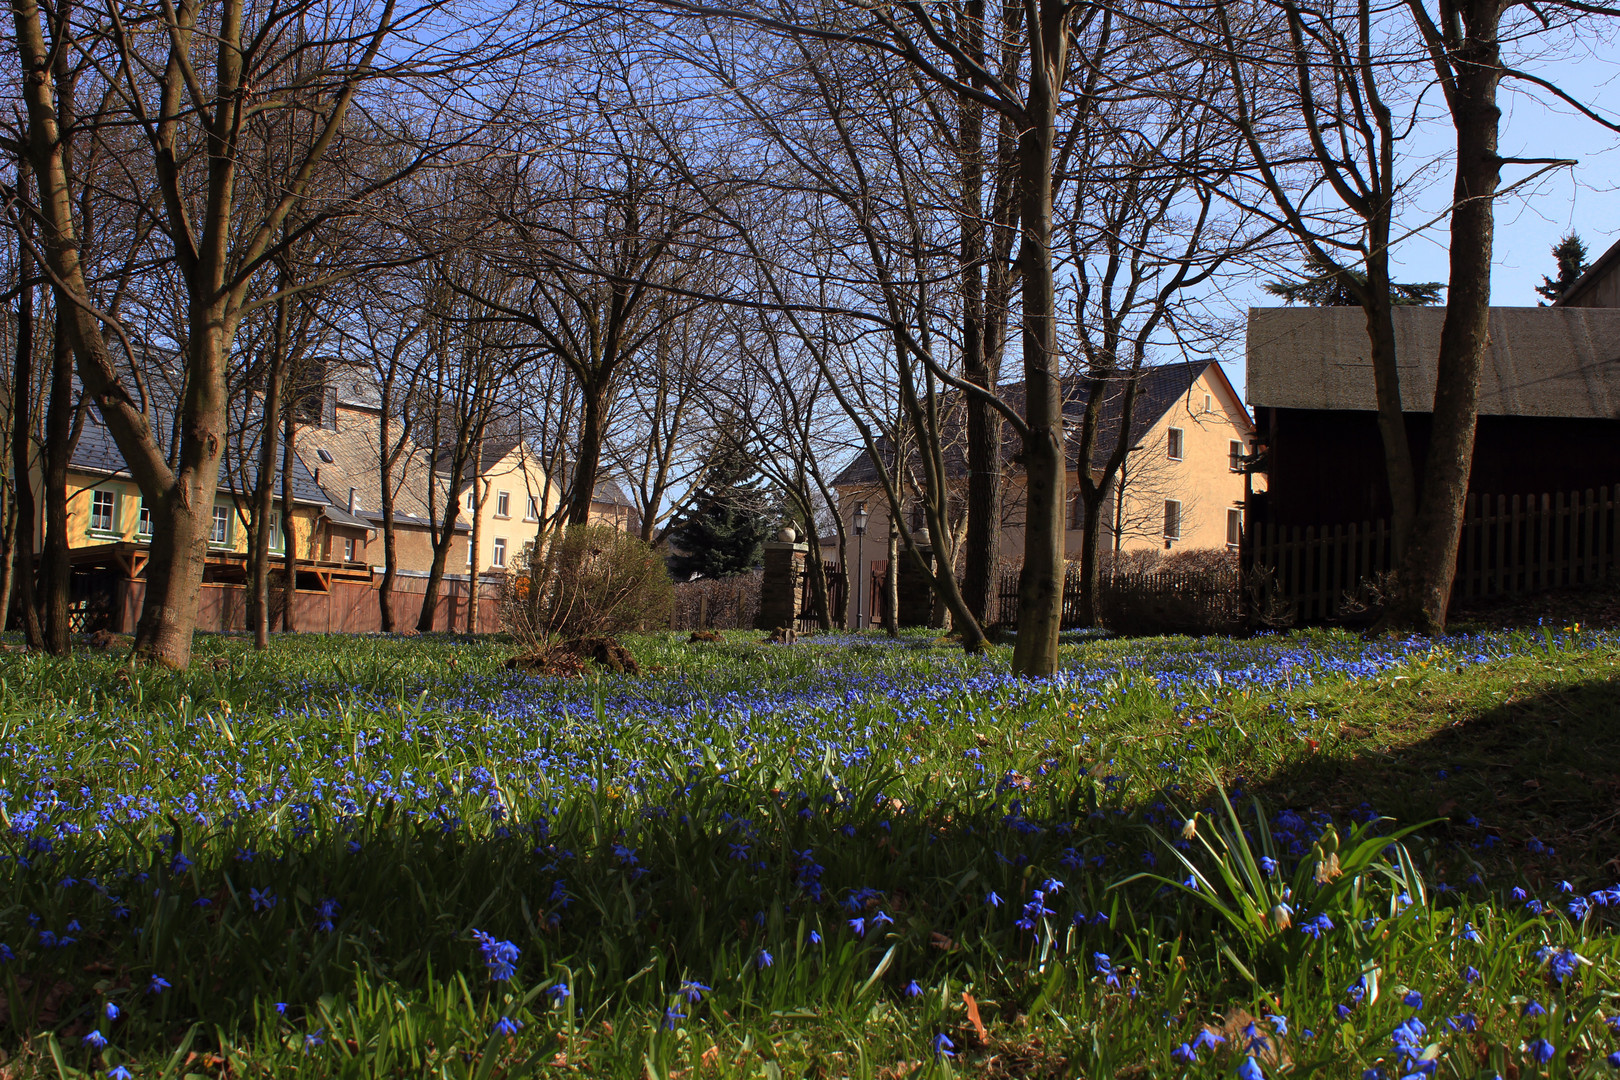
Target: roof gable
(1158, 390)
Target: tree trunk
(385, 593)
(816, 570)
(1430, 561)
(591, 430)
(891, 585)
(983, 422)
(56, 567)
(476, 541)
(430, 595)
(169, 614)
(258, 598)
(22, 431)
(1040, 585)
(1092, 502)
(183, 518)
(289, 524)
(8, 531)
(1398, 470)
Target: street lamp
(861, 517)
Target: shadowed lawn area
(1529, 752)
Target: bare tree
(1146, 230)
(658, 429)
(187, 78)
(1353, 70)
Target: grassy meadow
(1306, 855)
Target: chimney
(351, 500)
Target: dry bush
(589, 581)
(728, 603)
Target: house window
(1234, 450)
(1175, 440)
(277, 541)
(1209, 403)
(324, 454)
(469, 553)
(348, 549)
(220, 535)
(1172, 519)
(1234, 526)
(143, 522)
(497, 557)
(472, 500)
(503, 504)
(534, 509)
(102, 507)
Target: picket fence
(1509, 545)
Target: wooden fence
(807, 596)
(1151, 602)
(346, 607)
(1509, 545)
(717, 604)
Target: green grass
(303, 842)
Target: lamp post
(860, 559)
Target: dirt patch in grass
(1594, 606)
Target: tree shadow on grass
(1528, 786)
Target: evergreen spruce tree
(1320, 288)
(723, 531)
(1571, 256)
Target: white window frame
(104, 502)
(534, 509)
(278, 538)
(497, 554)
(1234, 516)
(1176, 514)
(1209, 403)
(1234, 453)
(503, 504)
(472, 500)
(348, 549)
(1175, 444)
(219, 528)
(143, 521)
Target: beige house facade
(1182, 487)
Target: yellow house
(1182, 486)
(105, 506)
(110, 533)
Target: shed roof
(1560, 362)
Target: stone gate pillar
(780, 589)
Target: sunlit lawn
(373, 857)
